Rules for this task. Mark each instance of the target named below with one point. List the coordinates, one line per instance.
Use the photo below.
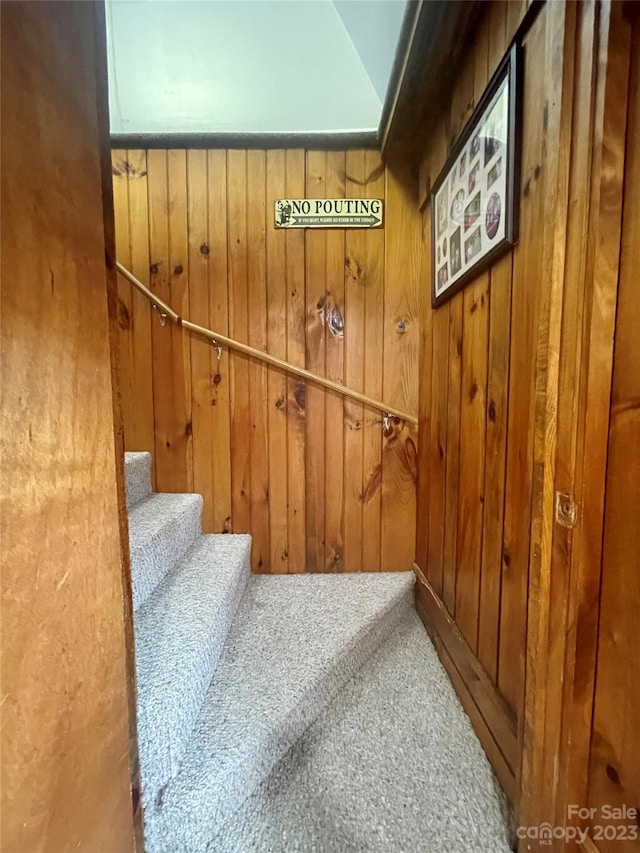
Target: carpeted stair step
(295, 642)
(137, 469)
(392, 765)
(161, 529)
(179, 635)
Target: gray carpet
(291, 713)
(295, 642)
(162, 528)
(392, 765)
(180, 632)
(137, 468)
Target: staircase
(285, 713)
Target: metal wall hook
(386, 421)
(163, 316)
(218, 349)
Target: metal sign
(328, 213)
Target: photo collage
(470, 203)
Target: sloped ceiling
(374, 29)
(249, 66)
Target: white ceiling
(249, 66)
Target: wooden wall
(534, 618)
(311, 477)
(65, 685)
(567, 643)
(477, 383)
(614, 753)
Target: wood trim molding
(421, 79)
(401, 59)
(248, 141)
(433, 40)
(491, 717)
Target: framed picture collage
(474, 198)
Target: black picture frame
(460, 195)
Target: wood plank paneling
(373, 277)
(458, 453)
(486, 506)
(216, 250)
(452, 452)
(176, 204)
(527, 591)
(315, 406)
(239, 328)
(462, 103)
(527, 267)
(166, 175)
(310, 476)
(570, 392)
(296, 353)
(66, 782)
(559, 68)
(472, 436)
(424, 402)
(436, 449)
(132, 243)
(201, 358)
(259, 450)
(276, 380)
(354, 367)
(399, 352)
(334, 369)
(485, 366)
(157, 240)
(614, 767)
(495, 460)
(566, 589)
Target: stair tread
(161, 529)
(295, 642)
(392, 765)
(179, 635)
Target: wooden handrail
(165, 311)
